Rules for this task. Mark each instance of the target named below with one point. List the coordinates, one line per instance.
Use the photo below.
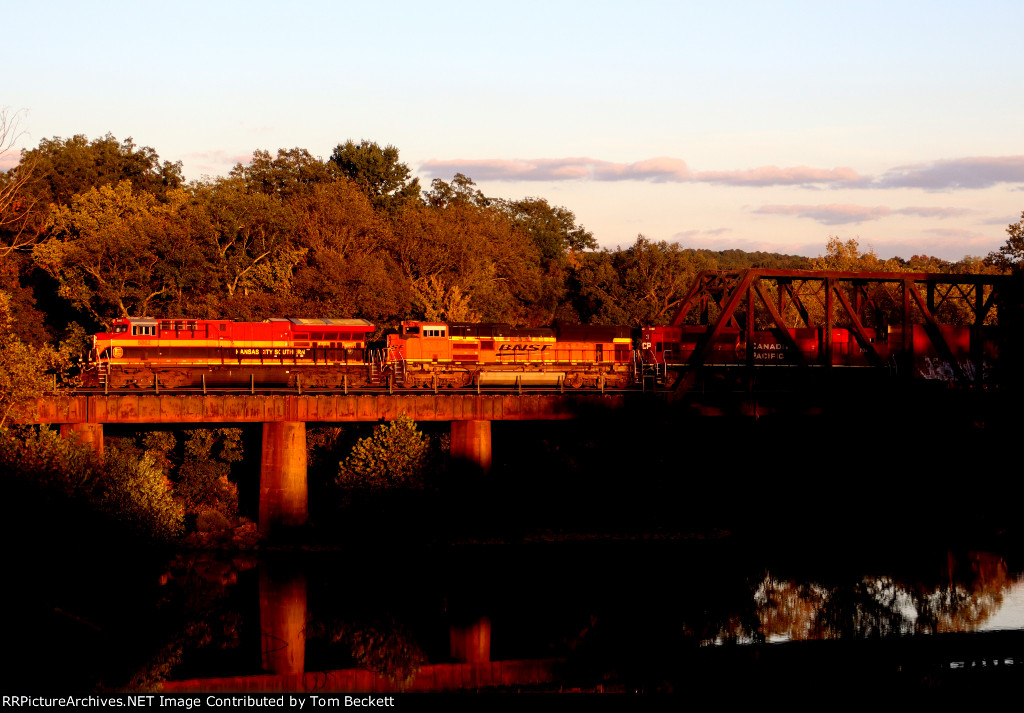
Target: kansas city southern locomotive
(327, 353)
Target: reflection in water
(282, 619)
(881, 606)
(569, 626)
(471, 643)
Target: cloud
(962, 173)
(560, 169)
(699, 234)
(775, 176)
(841, 214)
(215, 162)
(975, 172)
(657, 170)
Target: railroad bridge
(897, 328)
(283, 491)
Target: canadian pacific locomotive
(341, 354)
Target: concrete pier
(471, 441)
(88, 434)
(284, 492)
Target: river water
(772, 558)
(671, 616)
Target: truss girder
(858, 301)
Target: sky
(751, 125)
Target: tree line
(93, 230)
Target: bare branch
(15, 205)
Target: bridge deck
(256, 408)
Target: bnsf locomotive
(340, 353)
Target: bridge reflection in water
(283, 620)
(705, 626)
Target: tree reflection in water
(657, 631)
(881, 606)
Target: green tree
(641, 285)
(60, 475)
(552, 229)
(136, 492)
(292, 173)
(1011, 254)
(203, 476)
(28, 372)
(103, 251)
(394, 457)
(66, 167)
(379, 174)
(848, 257)
(247, 239)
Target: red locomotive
(198, 352)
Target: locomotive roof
(325, 321)
(300, 321)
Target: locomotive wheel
(573, 381)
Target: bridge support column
(284, 495)
(88, 434)
(471, 441)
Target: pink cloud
(834, 214)
(840, 214)
(978, 172)
(660, 169)
(972, 172)
(697, 234)
(560, 169)
(775, 176)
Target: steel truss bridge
(882, 311)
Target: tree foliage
(292, 173)
(386, 181)
(62, 477)
(202, 479)
(394, 457)
(105, 250)
(66, 167)
(1011, 254)
(848, 257)
(552, 229)
(642, 284)
(28, 372)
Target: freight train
(341, 354)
